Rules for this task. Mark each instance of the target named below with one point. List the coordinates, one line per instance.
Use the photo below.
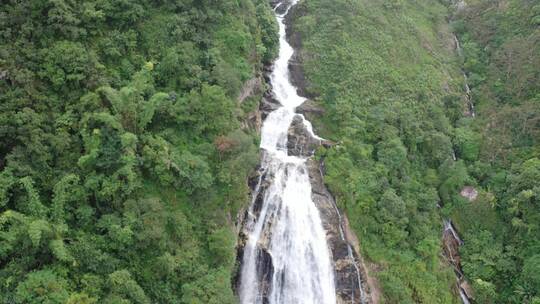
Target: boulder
(268, 104)
(469, 193)
(300, 141)
(310, 107)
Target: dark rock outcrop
(309, 107)
(451, 244)
(280, 6)
(300, 142)
(253, 121)
(296, 68)
(350, 274)
(268, 104)
(311, 110)
(252, 88)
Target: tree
(212, 288)
(468, 143)
(221, 243)
(42, 287)
(392, 216)
(68, 63)
(123, 287)
(530, 277)
(392, 153)
(208, 112)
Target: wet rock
(296, 69)
(300, 141)
(451, 243)
(350, 274)
(467, 289)
(283, 4)
(298, 79)
(253, 121)
(310, 110)
(250, 88)
(310, 107)
(258, 183)
(265, 269)
(268, 104)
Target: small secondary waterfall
(452, 242)
(351, 257)
(287, 225)
(449, 232)
(460, 5)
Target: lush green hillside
(124, 151)
(389, 78)
(121, 155)
(501, 49)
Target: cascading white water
(288, 224)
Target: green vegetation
(124, 152)
(501, 56)
(121, 154)
(389, 79)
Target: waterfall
(448, 226)
(460, 5)
(286, 227)
(351, 257)
(452, 244)
(463, 296)
(468, 95)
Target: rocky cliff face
(350, 275)
(252, 88)
(451, 244)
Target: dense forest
(123, 148)
(389, 77)
(501, 56)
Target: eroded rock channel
(293, 246)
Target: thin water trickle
(288, 227)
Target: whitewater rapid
(288, 225)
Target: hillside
(388, 78)
(132, 168)
(122, 154)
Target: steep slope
(387, 80)
(123, 147)
(388, 86)
(292, 246)
(501, 56)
